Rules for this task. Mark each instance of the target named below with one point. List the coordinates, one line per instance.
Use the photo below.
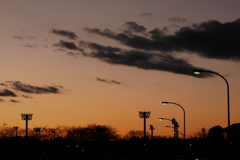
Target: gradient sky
(78, 62)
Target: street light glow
(197, 72)
(160, 119)
(164, 103)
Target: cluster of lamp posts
(146, 114)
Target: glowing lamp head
(164, 103)
(160, 119)
(197, 72)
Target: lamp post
(228, 96)
(175, 126)
(184, 117)
(26, 117)
(144, 115)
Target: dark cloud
(210, 39)
(108, 81)
(67, 45)
(177, 19)
(27, 88)
(69, 34)
(157, 49)
(24, 90)
(139, 59)
(7, 93)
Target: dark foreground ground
(135, 149)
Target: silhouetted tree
(134, 134)
(92, 132)
(201, 133)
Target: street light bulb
(196, 72)
(160, 119)
(164, 103)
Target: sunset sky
(79, 62)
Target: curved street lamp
(175, 124)
(228, 96)
(184, 118)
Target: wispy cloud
(69, 34)
(134, 27)
(14, 101)
(109, 81)
(177, 19)
(19, 89)
(31, 45)
(146, 14)
(24, 37)
(18, 37)
(27, 88)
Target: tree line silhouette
(103, 142)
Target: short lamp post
(175, 126)
(144, 115)
(26, 117)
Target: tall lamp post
(184, 117)
(228, 96)
(144, 115)
(26, 117)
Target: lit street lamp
(228, 97)
(184, 118)
(175, 124)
